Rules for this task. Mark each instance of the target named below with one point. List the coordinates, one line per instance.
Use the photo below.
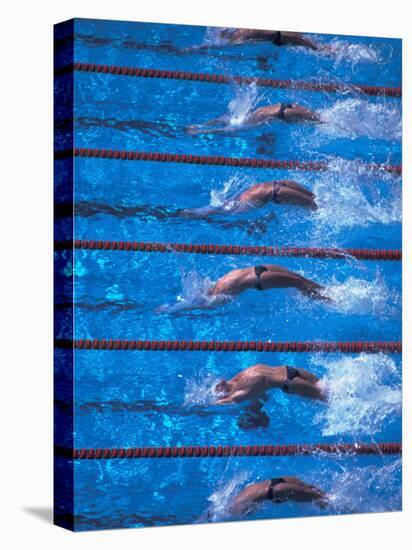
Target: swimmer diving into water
(252, 384)
(287, 112)
(256, 196)
(260, 277)
(276, 490)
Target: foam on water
(345, 201)
(354, 296)
(354, 55)
(357, 489)
(363, 297)
(246, 97)
(363, 393)
(221, 499)
(354, 117)
(194, 295)
(245, 100)
(225, 195)
(213, 37)
(200, 392)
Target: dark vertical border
(63, 274)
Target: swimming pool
(152, 399)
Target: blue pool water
(127, 399)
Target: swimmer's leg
(199, 213)
(296, 39)
(313, 290)
(294, 185)
(300, 386)
(306, 375)
(286, 195)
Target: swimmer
(257, 196)
(276, 490)
(286, 112)
(278, 38)
(252, 384)
(260, 277)
(265, 277)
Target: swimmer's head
(223, 387)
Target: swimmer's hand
(207, 302)
(164, 308)
(176, 307)
(236, 397)
(224, 401)
(198, 213)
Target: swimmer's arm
(178, 307)
(236, 397)
(297, 39)
(215, 125)
(200, 213)
(303, 494)
(308, 43)
(228, 207)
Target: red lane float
(228, 346)
(225, 79)
(243, 162)
(279, 251)
(218, 451)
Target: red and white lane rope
(228, 346)
(232, 450)
(243, 162)
(279, 251)
(224, 79)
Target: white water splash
(200, 393)
(354, 170)
(344, 202)
(221, 499)
(224, 196)
(354, 117)
(362, 297)
(360, 399)
(213, 37)
(366, 489)
(354, 53)
(194, 295)
(245, 100)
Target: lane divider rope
(225, 79)
(228, 346)
(283, 251)
(346, 449)
(244, 162)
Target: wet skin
(252, 383)
(261, 115)
(257, 196)
(239, 280)
(291, 489)
(240, 36)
